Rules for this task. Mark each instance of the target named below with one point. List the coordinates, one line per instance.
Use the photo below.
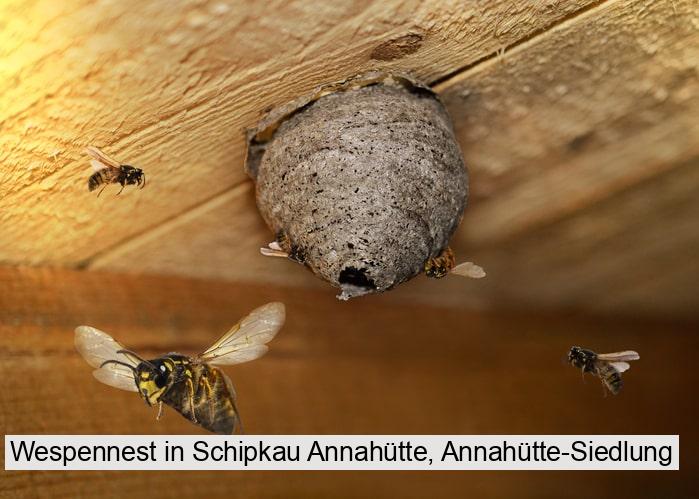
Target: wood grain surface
(572, 117)
(582, 144)
(368, 366)
(172, 89)
(577, 119)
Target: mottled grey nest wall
(366, 183)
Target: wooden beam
(577, 144)
(594, 105)
(171, 90)
(365, 366)
(630, 254)
(200, 244)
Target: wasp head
(133, 175)
(581, 358)
(441, 265)
(153, 378)
(436, 270)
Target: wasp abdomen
(98, 178)
(611, 378)
(209, 402)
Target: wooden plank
(172, 89)
(628, 254)
(569, 118)
(365, 366)
(633, 253)
(201, 240)
(544, 218)
(201, 245)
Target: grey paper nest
(362, 181)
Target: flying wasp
(191, 385)
(445, 263)
(606, 366)
(109, 171)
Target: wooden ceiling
(578, 121)
(360, 367)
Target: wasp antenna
(134, 354)
(118, 362)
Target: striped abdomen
(102, 177)
(213, 399)
(610, 377)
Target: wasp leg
(160, 411)
(144, 182)
(100, 192)
(209, 392)
(190, 387)
(122, 188)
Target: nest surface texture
(365, 183)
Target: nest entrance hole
(356, 277)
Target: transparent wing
(98, 165)
(273, 249)
(624, 356)
(620, 366)
(97, 347)
(118, 378)
(469, 269)
(274, 252)
(101, 157)
(247, 340)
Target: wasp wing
(274, 249)
(469, 269)
(274, 252)
(117, 377)
(101, 157)
(247, 340)
(624, 356)
(97, 347)
(98, 165)
(620, 366)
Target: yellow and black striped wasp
(606, 366)
(445, 263)
(192, 386)
(109, 171)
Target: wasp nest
(362, 181)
